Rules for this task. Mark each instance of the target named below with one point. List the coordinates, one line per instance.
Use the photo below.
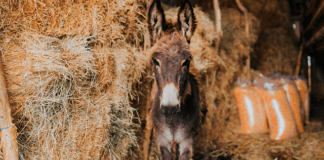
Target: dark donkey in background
(176, 106)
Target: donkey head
(170, 55)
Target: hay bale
(48, 78)
(275, 52)
(269, 13)
(75, 100)
(108, 20)
(128, 70)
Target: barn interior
(79, 85)
(290, 29)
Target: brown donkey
(175, 108)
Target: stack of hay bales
(70, 69)
(275, 50)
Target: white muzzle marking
(170, 96)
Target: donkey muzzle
(170, 97)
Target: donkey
(175, 107)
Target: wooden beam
(313, 20)
(9, 131)
(316, 44)
(300, 53)
(311, 11)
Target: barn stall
(78, 83)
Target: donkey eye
(186, 63)
(155, 20)
(156, 62)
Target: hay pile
(70, 69)
(259, 146)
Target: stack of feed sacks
(278, 102)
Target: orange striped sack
(279, 113)
(294, 100)
(303, 90)
(251, 110)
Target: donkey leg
(164, 141)
(186, 148)
(165, 153)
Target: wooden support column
(9, 131)
(147, 131)
(298, 63)
(245, 12)
(219, 31)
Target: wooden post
(309, 64)
(218, 24)
(147, 132)
(147, 38)
(8, 135)
(245, 12)
(299, 59)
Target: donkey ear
(156, 20)
(186, 20)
